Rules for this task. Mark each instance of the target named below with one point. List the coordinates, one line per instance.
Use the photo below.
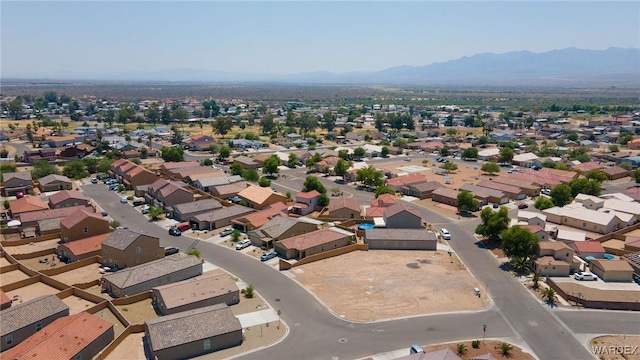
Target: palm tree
(536, 279)
(505, 349)
(549, 295)
(461, 349)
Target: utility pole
(484, 332)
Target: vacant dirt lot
(624, 347)
(415, 282)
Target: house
(193, 333)
(79, 336)
(513, 192)
(31, 219)
(20, 321)
(621, 206)
(61, 141)
(384, 200)
(400, 239)
(171, 194)
(400, 182)
(568, 236)
(67, 198)
(486, 195)
(532, 218)
(25, 205)
(306, 202)
(246, 162)
(633, 193)
(184, 211)
(616, 172)
(199, 142)
(344, 208)
(632, 243)
(585, 219)
(31, 156)
(612, 270)
(132, 175)
(589, 201)
(54, 182)
(244, 144)
(588, 248)
(301, 246)
(81, 224)
(554, 259)
(15, 182)
(208, 173)
(490, 154)
(445, 196)
(169, 167)
(195, 293)
(226, 191)
(537, 231)
(257, 219)
(525, 160)
(259, 198)
(399, 216)
(207, 184)
(81, 249)
(218, 218)
(280, 228)
(124, 249)
(144, 277)
(422, 190)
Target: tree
(466, 202)
(370, 176)
(155, 212)
(235, 235)
(222, 125)
(237, 169)
(114, 224)
(268, 124)
(15, 108)
(248, 291)
(343, 154)
(264, 182)
(384, 152)
(506, 155)
(207, 162)
(636, 176)
(104, 165)
(153, 113)
(549, 295)
(312, 183)
(490, 167)
(383, 189)
(180, 114)
(42, 168)
(585, 186)
(270, 166)
(493, 223)
(519, 243)
(341, 168)
(535, 279)
(359, 152)
(597, 175)
(329, 121)
(543, 203)
(323, 200)
(505, 349)
(444, 151)
(461, 349)
(251, 175)
(449, 167)
(614, 148)
(225, 151)
(469, 153)
(165, 116)
(6, 168)
(75, 170)
(172, 154)
(561, 195)
(293, 161)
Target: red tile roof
(588, 247)
(533, 228)
(27, 204)
(588, 166)
(51, 214)
(78, 216)
(398, 208)
(375, 211)
(406, 180)
(307, 195)
(260, 218)
(62, 339)
(63, 195)
(312, 239)
(87, 245)
(384, 200)
(343, 202)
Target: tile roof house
(532, 218)
(259, 197)
(54, 182)
(194, 293)
(399, 216)
(23, 320)
(616, 172)
(397, 183)
(344, 208)
(14, 182)
(218, 218)
(168, 166)
(633, 193)
(513, 192)
(81, 249)
(67, 198)
(82, 223)
(422, 190)
(193, 333)
(486, 195)
(585, 219)
(132, 175)
(182, 212)
(171, 194)
(246, 162)
(32, 218)
(588, 248)
(529, 188)
(125, 249)
(446, 196)
(384, 200)
(632, 243)
(226, 191)
(537, 231)
(554, 258)
(257, 219)
(79, 336)
(199, 142)
(400, 239)
(279, 228)
(207, 184)
(141, 278)
(301, 246)
(26, 204)
(306, 202)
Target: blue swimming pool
(366, 226)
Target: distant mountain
(565, 67)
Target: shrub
(248, 292)
(475, 344)
(264, 182)
(194, 252)
(6, 204)
(207, 162)
(130, 197)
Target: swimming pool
(366, 226)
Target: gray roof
(49, 224)
(152, 270)
(197, 206)
(215, 181)
(24, 175)
(275, 227)
(189, 326)
(207, 286)
(30, 312)
(231, 212)
(479, 190)
(53, 178)
(121, 239)
(399, 234)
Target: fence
(75, 265)
(286, 265)
(30, 240)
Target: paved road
(315, 333)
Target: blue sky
(52, 38)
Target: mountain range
(564, 67)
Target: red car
(19, 195)
(183, 227)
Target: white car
(123, 200)
(145, 209)
(243, 244)
(445, 234)
(585, 276)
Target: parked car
(104, 213)
(585, 276)
(495, 206)
(113, 187)
(546, 191)
(174, 232)
(268, 256)
(226, 232)
(144, 209)
(138, 202)
(445, 234)
(123, 200)
(183, 227)
(243, 244)
(94, 180)
(407, 159)
(522, 206)
(170, 250)
(19, 195)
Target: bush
(207, 162)
(130, 197)
(475, 344)
(6, 204)
(194, 252)
(248, 292)
(264, 182)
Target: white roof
(571, 235)
(359, 165)
(372, 148)
(619, 196)
(525, 157)
(584, 214)
(310, 220)
(489, 152)
(583, 197)
(379, 222)
(531, 215)
(629, 207)
(282, 156)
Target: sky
(52, 38)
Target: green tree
(75, 170)
(519, 243)
(41, 168)
(172, 154)
(466, 202)
(222, 125)
(165, 115)
(194, 252)
(248, 292)
(490, 167)
(15, 108)
(153, 113)
(469, 153)
(535, 279)
(636, 176)
(543, 203)
(5, 168)
(506, 155)
(505, 349)
(225, 151)
(370, 176)
(383, 189)
(114, 224)
(359, 152)
(91, 164)
(264, 182)
(155, 212)
(597, 175)
(270, 165)
(180, 114)
(293, 161)
(207, 162)
(237, 169)
(493, 223)
(444, 151)
(461, 349)
(235, 235)
(104, 165)
(384, 152)
(312, 183)
(549, 295)
(323, 200)
(251, 175)
(343, 154)
(561, 195)
(614, 148)
(329, 121)
(341, 168)
(585, 186)
(449, 167)
(268, 124)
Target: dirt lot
(35, 264)
(106, 314)
(130, 348)
(13, 276)
(4, 262)
(32, 291)
(80, 275)
(624, 345)
(77, 304)
(138, 312)
(382, 277)
(489, 346)
(32, 247)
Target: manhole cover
(342, 340)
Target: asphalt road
(316, 333)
